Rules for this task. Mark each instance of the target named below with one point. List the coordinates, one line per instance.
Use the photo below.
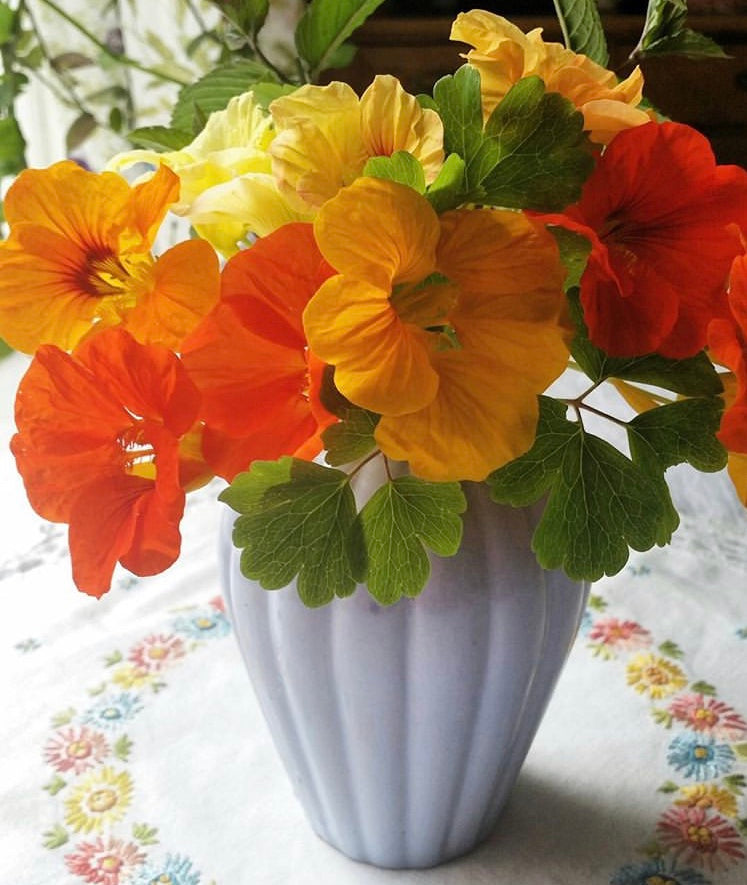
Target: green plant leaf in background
(599, 504)
(582, 28)
(398, 520)
(324, 28)
(664, 33)
(247, 15)
(159, 138)
(296, 520)
(401, 167)
(12, 147)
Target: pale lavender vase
(403, 728)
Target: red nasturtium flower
(98, 446)
(250, 359)
(78, 256)
(657, 211)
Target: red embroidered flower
(708, 716)
(156, 652)
(76, 749)
(102, 862)
(657, 210)
(620, 634)
(703, 839)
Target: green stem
(121, 59)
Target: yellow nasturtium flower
(503, 54)
(447, 327)
(325, 135)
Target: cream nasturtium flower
(226, 187)
(325, 135)
(503, 54)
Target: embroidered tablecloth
(133, 750)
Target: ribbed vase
(403, 728)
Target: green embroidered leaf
(683, 431)
(737, 783)
(297, 520)
(740, 750)
(664, 33)
(742, 826)
(662, 717)
(325, 26)
(668, 787)
(703, 688)
(144, 834)
(600, 503)
(446, 190)
(401, 167)
(159, 138)
(55, 785)
(350, 439)
(213, 92)
(582, 28)
(122, 748)
(598, 603)
(671, 650)
(114, 658)
(55, 837)
(63, 718)
(97, 689)
(398, 521)
(601, 650)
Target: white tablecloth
(133, 749)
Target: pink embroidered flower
(76, 749)
(706, 840)
(156, 652)
(708, 716)
(624, 635)
(104, 863)
(218, 603)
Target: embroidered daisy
(709, 796)
(76, 749)
(175, 870)
(623, 635)
(704, 839)
(112, 711)
(132, 676)
(709, 716)
(657, 872)
(655, 676)
(98, 801)
(700, 757)
(156, 652)
(202, 624)
(102, 862)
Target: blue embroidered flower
(202, 624)
(112, 711)
(175, 870)
(587, 622)
(700, 757)
(657, 872)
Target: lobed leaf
(351, 438)
(160, 138)
(401, 167)
(664, 33)
(582, 28)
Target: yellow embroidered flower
(503, 54)
(101, 799)
(325, 135)
(708, 796)
(427, 320)
(132, 676)
(655, 676)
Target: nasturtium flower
(659, 214)
(78, 259)
(447, 327)
(504, 54)
(326, 134)
(250, 359)
(98, 447)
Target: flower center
(111, 713)
(110, 864)
(78, 749)
(427, 303)
(701, 752)
(659, 880)
(102, 800)
(121, 277)
(139, 453)
(655, 676)
(707, 716)
(204, 623)
(701, 838)
(158, 652)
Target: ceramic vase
(403, 728)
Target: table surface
(133, 750)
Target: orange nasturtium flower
(657, 210)
(103, 435)
(325, 135)
(78, 258)
(503, 54)
(250, 360)
(447, 327)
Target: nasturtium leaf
(265, 93)
(574, 251)
(599, 502)
(398, 521)
(12, 147)
(351, 438)
(213, 92)
(582, 28)
(459, 104)
(446, 191)
(325, 26)
(297, 520)
(678, 432)
(401, 167)
(544, 154)
(664, 33)
(159, 138)
(694, 376)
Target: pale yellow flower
(655, 676)
(132, 676)
(708, 796)
(101, 799)
(504, 54)
(325, 135)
